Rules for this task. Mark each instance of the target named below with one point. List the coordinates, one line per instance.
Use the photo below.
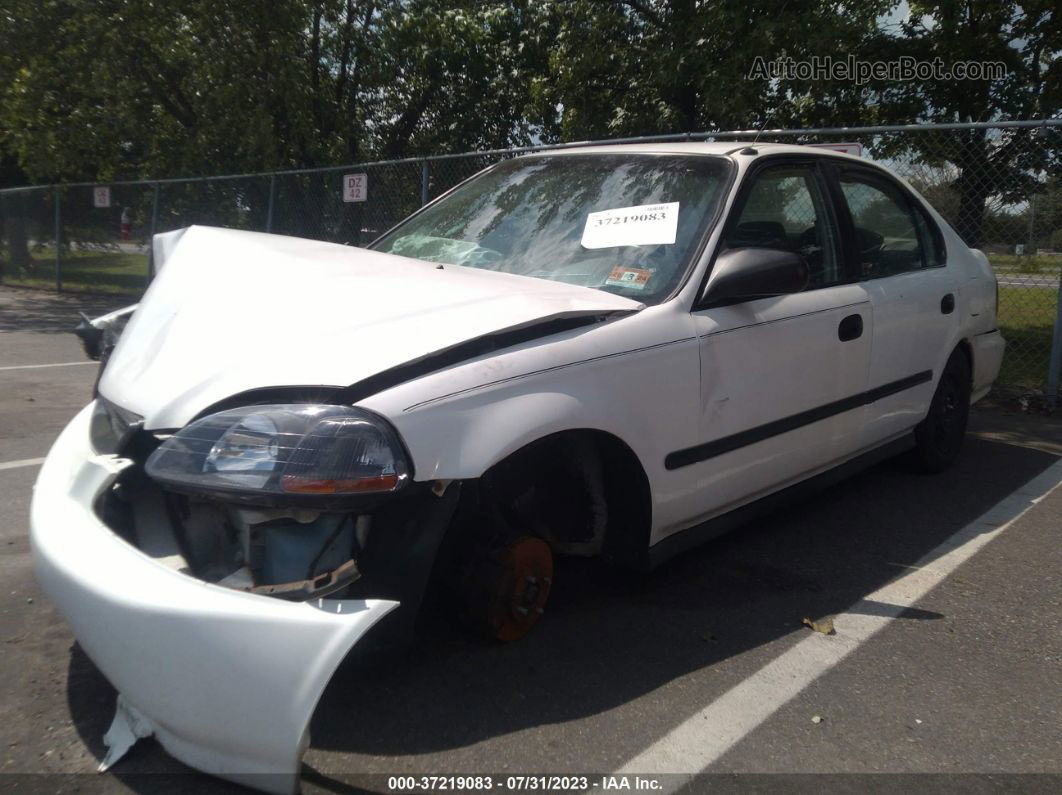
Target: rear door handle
(850, 328)
(947, 304)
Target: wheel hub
(516, 594)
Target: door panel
(782, 377)
(910, 335)
(912, 295)
(775, 375)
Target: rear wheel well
(967, 350)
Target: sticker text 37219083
(643, 225)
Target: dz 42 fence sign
(101, 197)
(355, 187)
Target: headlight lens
(294, 449)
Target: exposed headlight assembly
(296, 450)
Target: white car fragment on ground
(612, 351)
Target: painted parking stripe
(25, 462)
(702, 739)
(38, 366)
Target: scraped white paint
(703, 738)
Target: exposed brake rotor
(513, 584)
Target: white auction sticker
(644, 225)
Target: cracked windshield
(624, 224)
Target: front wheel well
(583, 490)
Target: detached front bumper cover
(227, 681)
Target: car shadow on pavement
(609, 638)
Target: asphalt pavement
(945, 665)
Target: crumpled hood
(233, 311)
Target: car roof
(696, 148)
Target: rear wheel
(940, 435)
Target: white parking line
(37, 366)
(1040, 283)
(699, 741)
(25, 462)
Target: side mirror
(741, 274)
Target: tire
(939, 437)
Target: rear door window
(892, 235)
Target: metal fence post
(423, 182)
(58, 243)
(272, 195)
(1055, 362)
(1031, 251)
(151, 233)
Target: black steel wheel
(940, 435)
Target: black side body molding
(716, 447)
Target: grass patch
(102, 271)
(1009, 263)
(1027, 319)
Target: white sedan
(613, 351)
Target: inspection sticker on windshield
(644, 225)
(631, 278)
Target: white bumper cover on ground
(227, 681)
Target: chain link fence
(999, 185)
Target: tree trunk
(974, 185)
(684, 92)
(14, 228)
(973, 191)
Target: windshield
(626, 224)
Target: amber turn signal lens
(300, 485)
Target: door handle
(850, 328)
(947, 304)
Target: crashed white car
(616, 351)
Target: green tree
(1026, 39)
(131, 88)
(632, 67)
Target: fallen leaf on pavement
(825, 626)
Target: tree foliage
(633, 67)
(1027, 40)
(112, 88)
(103, 89)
